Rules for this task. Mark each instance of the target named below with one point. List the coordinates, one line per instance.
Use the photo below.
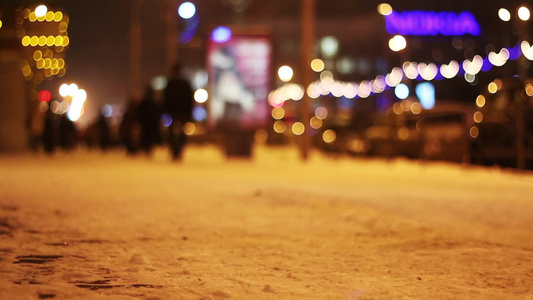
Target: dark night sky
(98, 55)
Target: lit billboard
(240, 79)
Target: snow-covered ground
(87, 225)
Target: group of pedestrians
(140, 127)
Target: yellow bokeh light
(278, 113)
(317, 65)
(478, 117)
(329, 136)
(280, 126)
(0, 23)
(480, 101)
(529, 89)
(315, 122)
(40, 63)
(397, 108)
(416, 108)
(504, 14)
(37, 55)
(26, 13)
(50, 41)
(62, 27)
(65, 41)
(384, 9)
(32, 17)
(58, 41)
(34, 41)
(26, 41)
(58, 16)
(189, 128)
(474, 132)
(50, 16)
(42, 40)
(26, 71)
(298, 128)
(493, 88)
(60, 63)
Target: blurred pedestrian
(49, 132)
(129, 128)
(178, 103)
(148, 115)
(68, 133)
(103, 132)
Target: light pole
(523, 14)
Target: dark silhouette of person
(129, 128)
(103, 132)
(148, 115)
(68, 133)
(49, 133)
(178, 103)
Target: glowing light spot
(523, 13)
(44, 96)
(199, 113)
(317, 65)
(280, 126)
(384, 9)
(58, 16)
(186, 10)
(58, 41)
(285, 73)
(41, 11)
(107, 110)
(315, 122)
(321, 113)
(278, 113)
(298, 128)
(478, 117)
(329, 136)
(416, 108)
(37, 55)
(492, 87)
(166, 120)
(26, 40)
(329, 46)
(66, 41)
(480, 101)
(32, 17)
(0, 23)
(200, 95)
(50, 41)
(397, 43)
(221, 34)
(504, 14)
(474, 132)
(326, 76)
(529, 89)
(50, 16)
(189, 128)
(401, 91)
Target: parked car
(408, 130)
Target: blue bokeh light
(425, 92)
(166, 120)
(199, 113)
(221, 34)
(401, 91)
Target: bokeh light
(278, 113)
(40, 11)
(298, 128)
(480, 101)
(504, 14)
(186, 10)
(285, 73)
(384, 9)
(44, 96)
(317, 65)
(397, 43)
(523, 13)
(201, 95)
(221, 34)
(329, 136)
(401, 91)
(279, 126)
(315, 122)
(199, 113)
(321, 112)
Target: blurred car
(407, 130)
(501, 130)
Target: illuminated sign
(240, 80)
(432, 23)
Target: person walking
(178, 103)
(148, 115)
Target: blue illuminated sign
(432, 23)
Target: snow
(92, 225)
